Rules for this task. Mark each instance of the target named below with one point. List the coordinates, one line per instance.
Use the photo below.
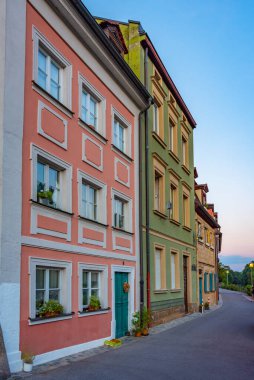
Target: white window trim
(66, 82)
(128, 216)
(65, 285)
(157, 279)
(67, 185)
(103, 282)
(102, 211)
(127, 131)
(101, 112)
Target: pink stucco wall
(51, 336)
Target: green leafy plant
(146, 318)
(50, 309)
(248, 290)
(136, 322)
(46, 194)
(206, 306)
(27, 357)
(94, 303)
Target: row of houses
(98, 190)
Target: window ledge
(40, 320)
(93, 221)
(91, 129)
(175, 290)
(186, 169)
(88, 313)
(51, 208)
(160, 214)
(174, 156)
(117, 150)
(175, 222)
(51, 98)
(160, 291)
(159, 139)
(121, 230)
(200, 242)
(186, 228)
(207, 245)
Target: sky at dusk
(208, 50)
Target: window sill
(175, 290)
(160, 291)
(93, 221)
(201, 242)
(51, 208)
(174, 156)
(186, 228)
(186, 169)
(89, 313)
(160, 214)
(40, 320)
(117, 150)
(175, 222)
(207, 245)
(51, 99)
(91, 129)
(159, 140)
(122, 230)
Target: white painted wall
(12, 67)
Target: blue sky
(208, 49)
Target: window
(92, 198)
(48, 184)
(119, 213)
(186, 216)
(174, 201)
(121, 133)
(156, 119)
(211, 282)
(49, 74)
(205, 282)
(175, 276)
(157, 190)
(89, 201)
(50, 280)
(51, 180)
(157, 269)
(184, 152)
(51, 70)
(93, 281)
(89, 112)
(173, 136)
(159, 186)
(199, 232)
(215, 281)
(118, 139)
(47, 285)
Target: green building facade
(167, 181)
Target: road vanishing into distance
(216, 346)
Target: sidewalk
(44, 368)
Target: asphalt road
(217, 346)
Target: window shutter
(205, 282)
(211, 281)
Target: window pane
(53, 278)
(54, 295)
(42, 74)
(121, 138)
(85, 297)
(116, 127)
(93, 111)
(40, 177)
(157, 269)
(173, 269)
(95, 292)
(54, 80)
(84, 106)
(54, 184)
(40, 298)
(40, 278)
(85, 280)
(94, 280)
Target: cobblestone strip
(44, 368)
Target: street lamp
(227, 271)
(251, 265)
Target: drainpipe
(143, 112)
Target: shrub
(248, 290)
(27, 357)
(146, 318)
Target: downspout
(147, 192)
(144, 111)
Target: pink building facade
(79, 177)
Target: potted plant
(206, 306)
(146, 320)
(94, 304)
(45, 197)
(126, 287)
(28, 359)
(50, 309)
(136, 323)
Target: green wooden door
(121, 304)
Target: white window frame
(157, 269)
(127, 209)
(127, 131)
(41, 42)
(65, 292)
(156, 118)
(103, 269)
(173, 269)
(101, 104)
(65, 177)
(101, 196)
